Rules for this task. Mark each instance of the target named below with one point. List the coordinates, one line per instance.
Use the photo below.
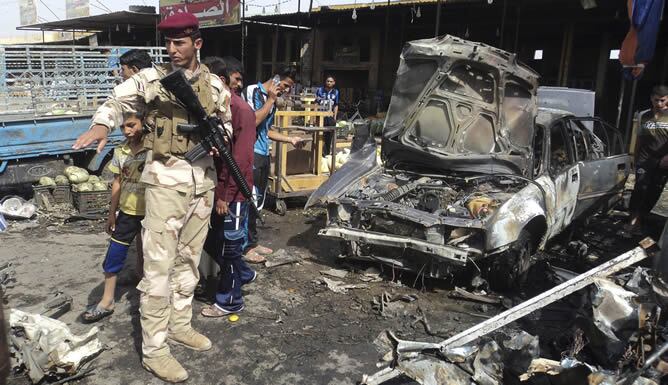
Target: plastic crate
(54, 195)
(92, 202)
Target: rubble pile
(615, 335)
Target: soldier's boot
(182, 333)
(166, 367)
(191, 339)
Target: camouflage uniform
(179, 200)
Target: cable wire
(47, 7)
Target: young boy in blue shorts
(127, 197)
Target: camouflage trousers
(174, 230)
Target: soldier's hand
(221, 207)
(297, 141)
(214, 152)
(97, 133)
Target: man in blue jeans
(261, 97)
(231, 208)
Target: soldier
(179, 195)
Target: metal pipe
(622, 89)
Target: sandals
(253, 257)
(215, 311)
(262, 250)
(95, 313)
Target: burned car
(473, 172)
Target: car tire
(281, 207)
(508, 270)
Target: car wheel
(281, 207)
(508, 270)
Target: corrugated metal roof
(378, 4)
(97, 22)
(375, 4)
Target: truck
(48, 95)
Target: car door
(565, 174)
(605, 166)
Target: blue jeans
(234, 272)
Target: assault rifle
(210, 129)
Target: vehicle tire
(281, 207)
(508, 270)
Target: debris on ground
(7, 276)
(339, 286)
(46, 348)
(617, 342)
(336, 273)
(387, 304)
(478, 297)
(15, 207)
(53, 307)
(283, 257)
(371, 275)
(18, 226)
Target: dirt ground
(293, 331)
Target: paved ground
(294, 331)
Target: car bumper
(442, 252)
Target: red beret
(178, 25)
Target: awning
(96, 23)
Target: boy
(231, 208)
(127, 196)
(134, 61)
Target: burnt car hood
(423, 69)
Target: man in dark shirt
(231, 207)
(651, 155)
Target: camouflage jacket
(133, 95)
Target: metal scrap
(283, 257)
(336, 273)
(53, 307)
(488, 365)
(46, 347)
(338, 286)
(485, 298)
(487, 370)
(546, 298)
(7, 276)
